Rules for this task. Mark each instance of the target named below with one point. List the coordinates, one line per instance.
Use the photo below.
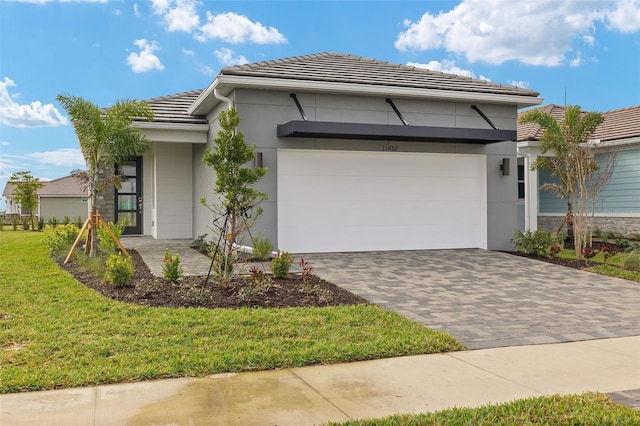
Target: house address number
(390, 148)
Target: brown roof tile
(66, 186)
(618, 124)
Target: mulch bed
(146, 289)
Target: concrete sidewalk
(313, 395)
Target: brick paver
(489, 299)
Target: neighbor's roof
(173, 108)
(63, 187)
(618, 124)
(352, 69)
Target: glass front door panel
(129, 196)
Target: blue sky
(105, 50)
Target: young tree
(107, 138)
(573, 162)
(25, 191)
(234, 183)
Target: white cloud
(188, 52)
(625, 17)
(207, 70)
(225, 56)
(589, 40)
(577, 61)
(535, 33)
(71, 157)
(446, 66)
(519, 83)
(5, 143)
(234, 28)
(116, 12)
(145, 60)
(33, 115)
(136, 12)
(179, 15)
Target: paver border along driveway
(489, 299)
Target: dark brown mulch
(145, 289)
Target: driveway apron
(489, 299)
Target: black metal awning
(392, 132)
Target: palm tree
(107, 138)
(571, 161)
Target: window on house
(520, 178)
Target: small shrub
(1, 224)
(61, 237)
(324, 295)
(79, 222)
(119, 269)
(171, 268)
(588, 252)
(262, 248)
(40, 224)
(107, 243)
(202, 244)
(623, 243)
(554, 250)
(631, 261)
(14, 223)
(26, 223)
(307, 270)
(66, 220)
(257, 284)
(53, 222)
(223, 269)
(605, 252)
(538, 242)
(281, 264)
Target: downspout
(219, 97)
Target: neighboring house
(362, 155)
(618, 205)
(57, 198)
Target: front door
(129, 196)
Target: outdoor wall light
(504, 166)
(257, 160)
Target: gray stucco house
(618, 205)
(362, 155)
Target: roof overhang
(227, 83)
(174, 132)
(391, 132)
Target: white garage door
(332, 201)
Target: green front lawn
(57, 333)
(585, 409)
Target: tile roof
(618, 124)
(173, 108)
(63, 187)
(345, 68)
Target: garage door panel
(325, 239)
(399, 188)
(354, 201)
(352, 163)
(378, 213)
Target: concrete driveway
(489, 299)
